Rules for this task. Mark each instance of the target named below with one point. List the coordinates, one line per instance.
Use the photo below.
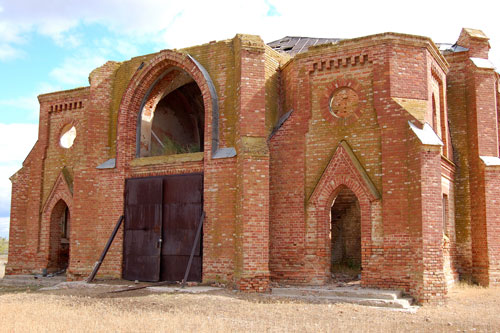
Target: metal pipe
(97, 265)
(196, 240)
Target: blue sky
(53, 45)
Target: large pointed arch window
(173, 117)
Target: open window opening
(446, 214)
(346, 237)
(68, 136)
(173, 121)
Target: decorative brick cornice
(366, 42)
(336, 62)
(55, 97)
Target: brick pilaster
(252, 165)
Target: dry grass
(3, 261)
(469, 309)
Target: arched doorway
(59, 237)
(345, 232)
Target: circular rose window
(68, 136)
(344, 102)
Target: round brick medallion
(344, 102)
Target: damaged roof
(447, 47)
(295, 45)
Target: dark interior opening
(179, 122)
(346, 237)
(59, 238)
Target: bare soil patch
(96, 309)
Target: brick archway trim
(352, 174)
(139, 89)
(62, 190)
(344, 169)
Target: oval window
(68, 136)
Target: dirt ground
(25, 309)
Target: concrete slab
(357, 295)
(81, 285)
(189, 290)
(339, 291)
(31, 280)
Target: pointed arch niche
(54, 243)
(344, 171)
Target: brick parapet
(475, 41)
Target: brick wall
(268, 207)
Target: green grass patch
(4, 246)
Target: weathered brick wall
(221, 255)
(450, 254)
(268, 208)
(20, 258)
(434, 286)
(492, 188)
(287, 182)
(40, 172)
(252, 164)
(457, 113)
(474, 129)
(98, 194)
(379, 69)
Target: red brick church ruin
(379, 153)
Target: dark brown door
(162, 215)
(182, 208)
(143, 216)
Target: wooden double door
(162, 215)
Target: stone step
(361, 296)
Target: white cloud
(25, 102)
(16, 141)
(6, 170)
(75, 71)
(107, 47)
(44, 88)
(30, 102)
(177, 24)
(4, 226)
(7, 52)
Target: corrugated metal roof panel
(294, 45)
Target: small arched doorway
(59, 237)
(345, 233)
